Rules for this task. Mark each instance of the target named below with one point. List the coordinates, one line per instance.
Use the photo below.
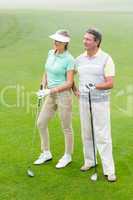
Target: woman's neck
(59, 51)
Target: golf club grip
(87, 87)
(41, 86)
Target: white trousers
(102, 133)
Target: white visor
(59, 37)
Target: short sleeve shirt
(57, 66)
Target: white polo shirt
(93, 70)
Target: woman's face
(59, 46)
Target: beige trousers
(62, 102)
(102, 132)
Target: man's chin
(85, 48)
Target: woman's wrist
(54, 90)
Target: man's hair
(96, 33)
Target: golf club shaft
(35, 127)
(40, 99)
(92, 129)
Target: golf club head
(94, 177)
(30, 173)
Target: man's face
(89, 41)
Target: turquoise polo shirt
(57, 66)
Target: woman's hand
(76, 93)
(75, 90)
(43, 93)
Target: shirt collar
(95, 55)
(60, 54)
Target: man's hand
(90, 86)
(43, 93)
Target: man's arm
(109, 74)
(107, 84)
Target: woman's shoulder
(51, 52)
(70, 56)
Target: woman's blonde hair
(66, 34)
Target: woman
(58, 79)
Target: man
(96, 69)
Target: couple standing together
(94, 67)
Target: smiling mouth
(86, 46)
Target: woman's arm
(67, 85)
(75, 90)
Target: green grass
(24, 44)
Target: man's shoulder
(104, 53)
(81, 56)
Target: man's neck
(91, 53)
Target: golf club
(94, 176)
(30, 172)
